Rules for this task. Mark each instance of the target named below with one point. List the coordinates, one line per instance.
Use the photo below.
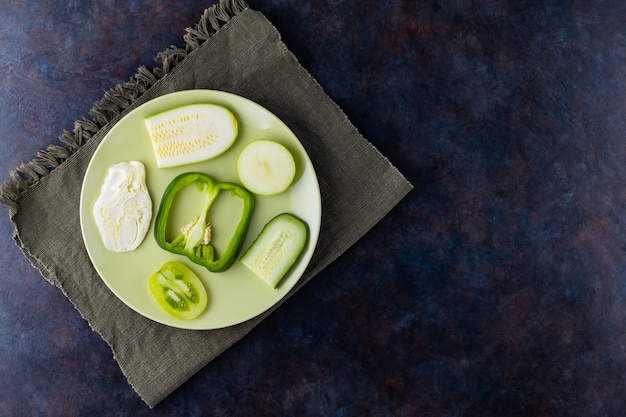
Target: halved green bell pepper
(194, 239)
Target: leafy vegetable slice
(123, 209)
(277, 248)
(191, 133)
(178, 290)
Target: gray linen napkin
(234, 49)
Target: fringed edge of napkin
(113, 103)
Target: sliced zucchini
(277, 248)
(266, 167)
(191, 133)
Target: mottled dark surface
(496, 288)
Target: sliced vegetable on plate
(277, 248)
(266, 167)
(123, 209)
(178, 290)
(191, 133)
(194, 239)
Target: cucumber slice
(266, 167)
(191, 133)
(277, 248)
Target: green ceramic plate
(235, 295)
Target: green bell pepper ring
(194, 239)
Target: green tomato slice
(178, 290)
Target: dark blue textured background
(497, 287)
